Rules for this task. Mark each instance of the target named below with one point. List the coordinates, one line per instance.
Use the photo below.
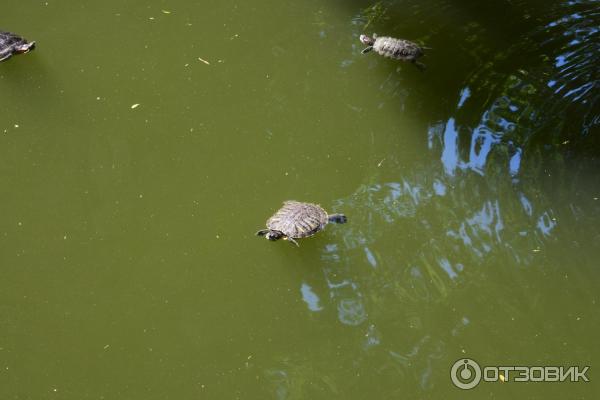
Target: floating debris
(136, 105)
(165, 11)
(204, 61)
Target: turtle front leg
(367, 49)
(292, 241)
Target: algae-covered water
(142, 145)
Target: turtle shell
(399, 49)
(10, 43)
(298, 220)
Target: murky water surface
(128, 261)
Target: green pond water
(143, 143)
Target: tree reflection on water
(492, 205)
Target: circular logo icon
(465, 373)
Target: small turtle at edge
(296, 220)
(398, 49)
(11, 44)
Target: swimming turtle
(296, 220)
(13, 44)
(398, 49)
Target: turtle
(398, 49)
(296, 220)
(11, 43)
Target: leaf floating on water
(204, 61)
(136, 105)
(166, 11)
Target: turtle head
(366, 40)
(24, 47)
(274, 235)
(271, 234)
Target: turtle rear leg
(338, 218)
(367, 49)
(422, 67)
